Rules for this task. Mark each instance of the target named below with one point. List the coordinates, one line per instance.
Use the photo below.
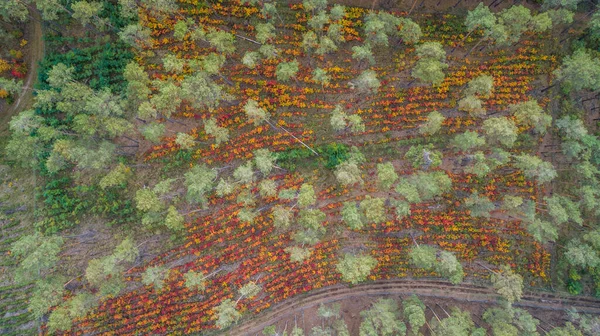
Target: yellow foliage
(4, 66)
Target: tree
(265, 32)
(571, 75)
(267, 188)
(348, 173)
(80, 304)
(195, 280)
(581, 255)
(433, 123)
(221, 134)
(264, 160)
(423, 256)
(481, 86)
(117, 176)
(535, 168)
(472, 105)
(250, 59)
(530, 114)
(386, 175)
(59, 320)
(363, 52)
(185, 141)
(382, 319)
(85, 11)
(567, 330)
(481, 17)
(250, 290)
(227, 314)
(47, 292)
(286, 70)
(355, 268)
(282, 217)
(423, 156)
(306, 196)
(367, 81)
(414, 312)
(320, 76)
(430, 71)
(199, 181)
(136, 36)
(351, 216)
(467, 141)
(449, 267)
(298, 254)
(255, 113)
(338, 119)
(542, 231)
(155, 276)
(11, 86)
(500, 130)
(508, 284)
(174, 219)
(410, 32)
(479, 206)
(459, 323)
(373, 209)
(36, 255)
(356, 123)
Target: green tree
(155, 276)
(255, 113)
(449, 267)
(36, 254)
(571, 76)
(373, 209)
(459, 323)
(366, 82)
(297, 253)
(530, 114)
(508, 284)
(286, 70)
(306, 195)
(59, 319)
(479, 206)
(535, 168)
(382, 319)
(500, 130)
(482, 85)
(414, 312)
(429, 70)
(423, 256)
(351, 216)
(47, 292)
(467, 140)
(264, 160)
(227, 314)
(386, 175)
(472, 105)
(199, 181)
(282, 217)
(433, 123)
(355, 268)
(348, 173)
(363, 52)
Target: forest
(300, 167)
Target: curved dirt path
(36, 50)
(429, 288)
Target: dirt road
(36, 53)
(428, 288)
